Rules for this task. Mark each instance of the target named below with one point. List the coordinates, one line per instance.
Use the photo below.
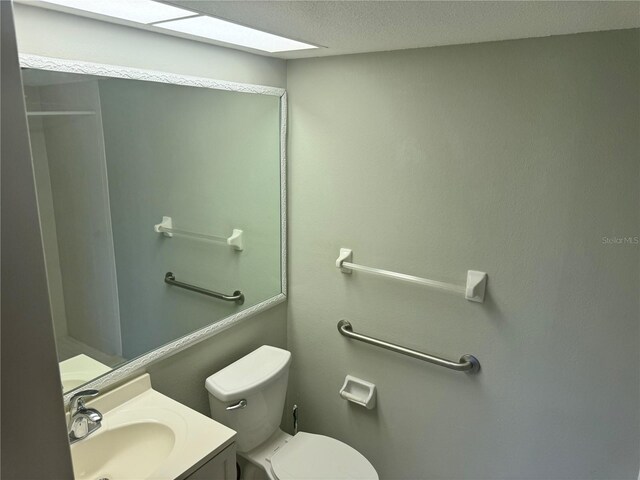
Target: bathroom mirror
(162, 208)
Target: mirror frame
(138, 364)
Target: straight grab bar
(237, 296)
(468, 363)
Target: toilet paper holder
(359, 392)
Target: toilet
(248, 396)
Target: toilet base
(249, 471)
(257, 464)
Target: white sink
(146, 435)
(127, 451)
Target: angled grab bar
(467, 363)
(237, 296)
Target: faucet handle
(77, 400)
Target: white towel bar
(473, 290)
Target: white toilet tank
(260, 378)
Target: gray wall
(513, 158)
(34, 435)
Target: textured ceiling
(344, 27)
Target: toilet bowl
(248, 396)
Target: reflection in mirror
(136, 179)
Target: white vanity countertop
(197, 438)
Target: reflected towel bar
(235, 240)
(468, 363)
(237, 296)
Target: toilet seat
(308, 456)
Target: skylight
(227, 32)
(167, 17)
(140, 11)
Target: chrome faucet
(83, 421)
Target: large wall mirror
(162, 208)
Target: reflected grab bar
(468, 363)
(237, 296)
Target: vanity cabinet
(220, 467)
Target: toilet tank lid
(248, 374)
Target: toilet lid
(309, 456)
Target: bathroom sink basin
(126, 451)
(146, 435)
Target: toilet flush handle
(237, 406)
